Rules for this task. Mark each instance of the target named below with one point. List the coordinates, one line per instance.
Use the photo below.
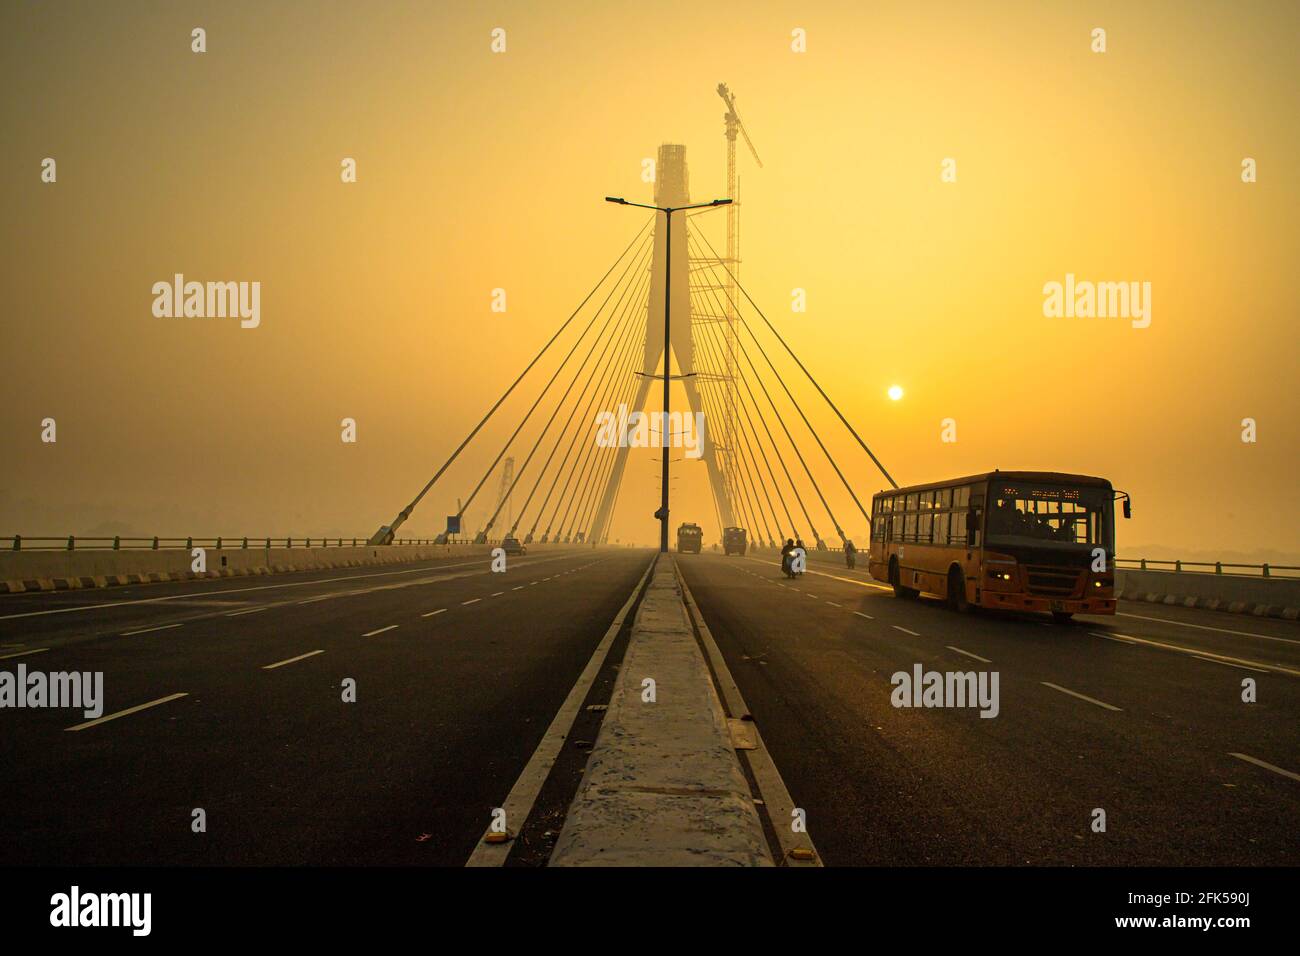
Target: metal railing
(1210, 567)
(70, 542)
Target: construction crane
(733, 126)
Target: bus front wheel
(957, 591)
(895, 578)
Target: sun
(895, 392)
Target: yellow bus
(1016, 540)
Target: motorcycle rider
(786, 549)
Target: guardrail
(1210, 567)
(70, 542)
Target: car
(734, 541)
(511, 545)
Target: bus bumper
(1025, 602)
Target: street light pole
(662, 513)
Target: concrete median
(663, 786)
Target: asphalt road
(458, 672)
(1128, 714)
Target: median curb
(663, 785)
(1212, 604)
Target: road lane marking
(833, 604)
(470, 601)
(379, 631)
(251, 610)
(519, 587)
(867, 616)
(968, 654)
(323, 597)
(904, 630)
(5, 657)
(519, 802)
(811, 595)
(163, 627)
(432, 613)
(300, 657)
(1110, 637)
(797, 848)
(123, 713)
(1074, 693)
(1210, 660)
(1206, 627)
(424, 568)
(1267, 766)
(496, 594)
(1194, 652)
(531, 583)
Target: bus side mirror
(1128, 508)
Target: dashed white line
(5, 657)
(251, 610)
(300, 657)
(833, 604)
(148, 630)
(379, 631)
(1073, 693)
(440, 610)
(470, 601)
(904, 630)
(518, 588)
(867, 616)
(968, 654)
(1267, 766)
(123, 713)
(496, 593)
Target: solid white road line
(123, 713)
(380, 631)
(1072, 693)
(440, 610)
(1196, 652)
(1267, 766)
(1206, 627)
(148, 630)
(904, 630)
(1111, 637)
(323, 597)
(519, 802)
(1210, 660)
(423, 569)
(300, 657)
(5, 657)
(470, 601)
(797, 848)
(968, 654)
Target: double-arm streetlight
(662, 513)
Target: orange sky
(479, 170)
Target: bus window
(961, 498)
(909, 526)
(925, 524)
(896, 527)
(941, 527)
(910, 504)
(943, 499)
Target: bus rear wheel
(957, 591)
(1062, 617)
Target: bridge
(523, 691)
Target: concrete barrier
(663, 786)
(60, 570)
(1263, 597)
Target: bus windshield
(1050, 516)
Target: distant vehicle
(1017, 540)
(512, 546)
(690, 537)
(734, 541)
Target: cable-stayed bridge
(523, 693)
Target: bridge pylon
(672, 188)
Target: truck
(690, 537)
(734, 541)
